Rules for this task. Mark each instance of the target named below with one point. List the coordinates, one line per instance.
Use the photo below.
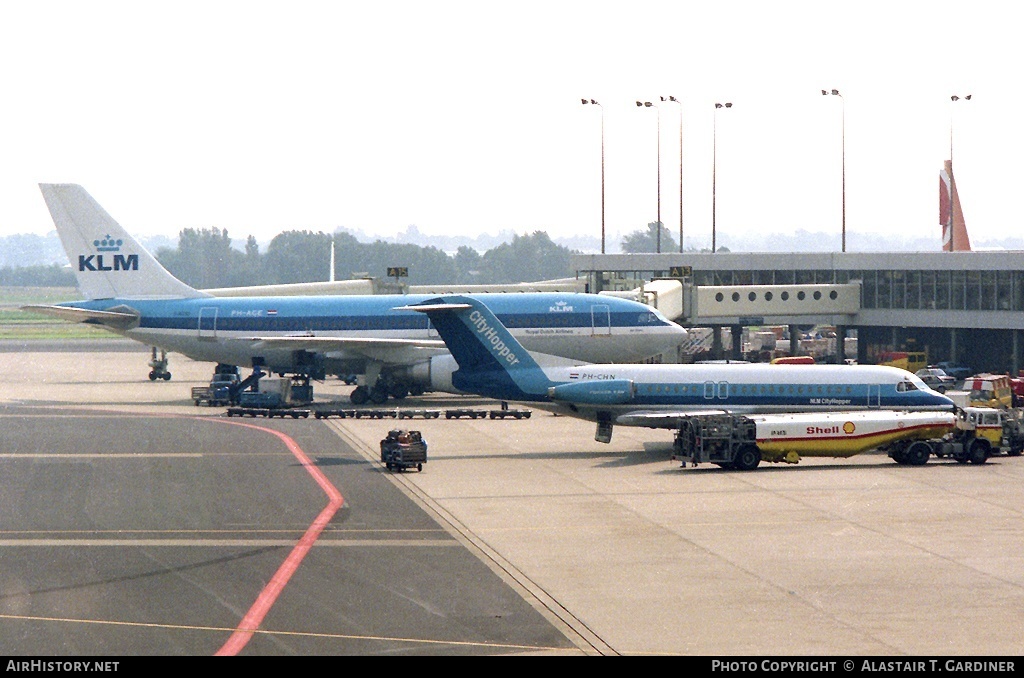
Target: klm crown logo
(94, 262)
(108, 244)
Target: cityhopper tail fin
(492, 363)
(108, 263)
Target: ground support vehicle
(205, 394)
(272, 398)
(340, 414)
(729, 441)
(269, 412)
(468, 413)
(272, 393)
(403, 449)
(223, 388)
(911, 361)
(355, 413)
(509, 414)
(980, 433)
(741, 442)
(989, 390)
(424, 414)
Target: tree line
(206, 258)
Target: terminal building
(960, 306)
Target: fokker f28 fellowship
(492, 363)
(128, 292)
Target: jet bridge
(834, 304)
(706, 305)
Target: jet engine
(431, 375)
(595, 392)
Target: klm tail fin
(951, 215)
(108, 262)
(492, 363)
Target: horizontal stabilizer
(423, 308)
(114, 319)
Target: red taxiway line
(254, 617)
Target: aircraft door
(874, 395)
(208, 322)
(713, 390)
(601, 317)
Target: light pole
(595, 103)
(835, 92)
(671, 98)
(952, 202)
(714, 172)
(648, 104)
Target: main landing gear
(385, 388)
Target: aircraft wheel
(152, 376)
(918, 453)
(360, 395)
(398, 390)
(379, 396)
(167, 376)
(978, 452)
(899, 456)
(747, 458)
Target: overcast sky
(466, 117)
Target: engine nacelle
(595, 392)
(432, 375)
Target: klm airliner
(128, 292)
(493, 364)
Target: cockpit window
(905, 386)
(916, 383)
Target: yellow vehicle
(911, 361)
(989, 390)
(978, 433)
(981, 432)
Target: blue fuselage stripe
(296, 314)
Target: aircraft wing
(662, 419)
(382, 349)
(81, 315)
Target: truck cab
(1001, 429)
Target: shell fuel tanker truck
(742, 441)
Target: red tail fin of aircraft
(954, 230)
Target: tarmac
(626, 552)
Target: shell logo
(849, 428)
